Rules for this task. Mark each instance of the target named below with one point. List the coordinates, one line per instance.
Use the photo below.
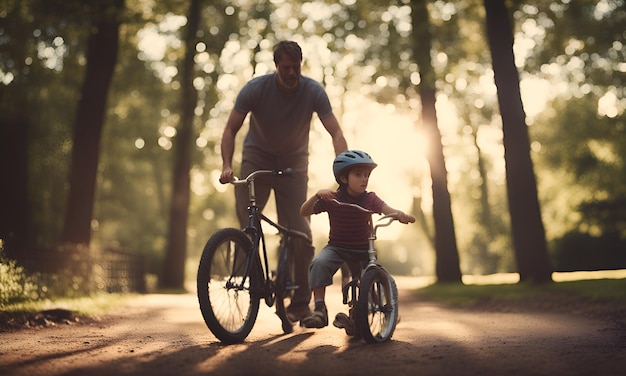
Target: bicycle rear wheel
(376, 312)
(226, 295)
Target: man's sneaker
(318, 319)
(342, 321)
(298, 311)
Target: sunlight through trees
(569, 54)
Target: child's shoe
(342, 321)
(318, 319)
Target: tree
(14, 219)
(14, 129)
(581, 158)
(102, 49)
(527, 228)
(447, 264)
(35, 97)
(174, 267)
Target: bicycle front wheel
(376, 313)
(227, 278)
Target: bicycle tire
(283, 278)
(376, 313)
(229, 308)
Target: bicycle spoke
(230, 305)
(378, 307)
(377, 317)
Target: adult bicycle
(234, 272)
(372, 293)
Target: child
(349, 228)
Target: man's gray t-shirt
(280, 123)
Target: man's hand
(227, 176)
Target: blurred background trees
(570, 59)
(529, 241)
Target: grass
(603, 298)
(89, 305)
(597, 298)
(49, 312)
(463, 295)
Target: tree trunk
(14, 205)
(528, 231)
(176, 252)
(102, 49)
(447, 261)
(482, 241)
(15, 133)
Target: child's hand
(326, 194)
(405, 218)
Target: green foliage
(75, 279)
(15, 285)
(580, 147)
(360, 50)
(583, 160)
(43, 54)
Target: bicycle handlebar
(391, 216)
(288, 172)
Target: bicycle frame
(371, 252)
(255, 232)
(230, 288)
(353, 288)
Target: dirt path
(165, 335)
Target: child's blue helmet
(349, 159)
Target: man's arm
(332, 126)
(233, 125)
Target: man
(281, 106)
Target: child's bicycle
(372, 294)
(234, 273)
